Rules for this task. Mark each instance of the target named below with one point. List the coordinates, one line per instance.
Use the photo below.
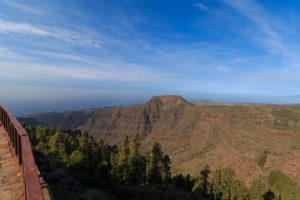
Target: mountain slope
(216, 134)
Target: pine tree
(282, 186)
(215, 189)
(123, 161)
(258, 189)
(154, 172)
(166, 162)
(77, 164)
(135, 166)
(201, 185)
(57, 147)
(226, 182)
(224, 186)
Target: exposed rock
(194, 135)
(166, 102)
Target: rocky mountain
(194, 135)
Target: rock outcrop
(194, 135)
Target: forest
(77, 167)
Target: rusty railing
(19, 140)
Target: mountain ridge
(194, 135)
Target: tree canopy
(123, 172)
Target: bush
(262, 159)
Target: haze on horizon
(59, 55)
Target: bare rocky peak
(219, 135)
(166, 102)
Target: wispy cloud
(33, 93)
(23, 7)
(60, 56)
(201, 6)
(270, 35)
(62, 34)
(21, 28)
(6, 53)
(40, 55)
(224, 68)
(121, 72)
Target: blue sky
(59, 54)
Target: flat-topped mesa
(167, 101)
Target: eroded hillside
(194, 135)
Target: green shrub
(261, 160)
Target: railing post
(13, 135)
(20, 143)
(20, 150)
(17, 142)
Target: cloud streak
(271, 38)
(62, 34)
(6, 53)
(29, 9)
(201, 6)
(122, 72)
(61, 56)
(21, 28)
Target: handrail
(22, 148)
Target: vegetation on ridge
(78, 167)
(217, 134)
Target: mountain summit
(166, 102)
(194, 135)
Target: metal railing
(20, 143)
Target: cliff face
(112, 124)
(193, 135)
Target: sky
(63, 55)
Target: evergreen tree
(224, 186)
(166, 162)
(102, 172)
(57, 147)
(282, 186)
(201, 185)
(41, 134)
(178, 181)
(258, 189)
(77, 164)
(123, 161)
(154, 172)
(238, 191)
(100, 163)
(135, 167)
(183, 182)
(215, 189)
